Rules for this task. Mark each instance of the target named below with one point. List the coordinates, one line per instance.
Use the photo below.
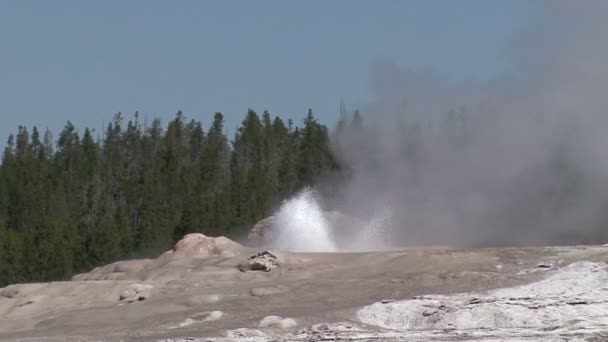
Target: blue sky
(84, 61)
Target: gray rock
(136, 292)
(244, 333)
(207, 316)
(263, 261)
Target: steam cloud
(520, 160)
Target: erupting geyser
(300, 225)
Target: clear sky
(86, 60)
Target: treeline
(82, 201)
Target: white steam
(519, 160)
(373, 234)
(300, 225)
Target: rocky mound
(192, 260)
(197, 245)
(192, 246)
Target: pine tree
(247, 170)
(315, 156)
(216, 179)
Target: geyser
(300, 225)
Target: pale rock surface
(206, 316)
(136, 292)
(273, 321)
(10, 291)
(573, 297)
(199, 245)
(523, 301)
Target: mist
(518, 160)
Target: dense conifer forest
(82, 198)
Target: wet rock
(474, 301)
(136, 292)
(263, 261)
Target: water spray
(301, 226)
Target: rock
(26, 301)
(199, 245)
(572, 295)
(207, 316)
(288, 323)
(263, 261)
(474, 301)
(29, 300)
(10, 291)
(136, 292)
(277, 322)
(270, 321)
(244, 333)
(261, 231)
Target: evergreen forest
(71, 202)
